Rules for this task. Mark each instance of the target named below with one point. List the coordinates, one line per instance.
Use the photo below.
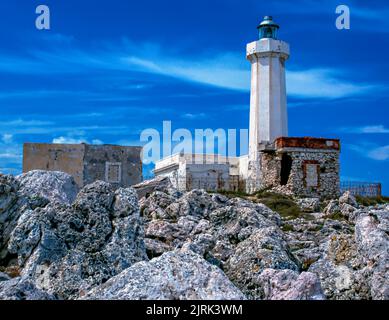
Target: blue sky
(109, 69)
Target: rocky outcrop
(22, 289)
(66, 250)
(107, 244)
(265, 248)
(309, 204)
(290, 285)
(176, 275)
(348, 198)
(147, 187)
(53, 185)
(372, 240)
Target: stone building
(305, 166)
(118, 165)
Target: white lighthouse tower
(268, 112)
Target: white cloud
(71, 140)
(371, 151)
(232, 71)
(67, 140)
(367, 129)
(193, 116)
(380, 153)
(228, 70)
(7, 138)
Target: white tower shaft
(268, 113)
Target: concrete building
(201, 171)
(118, 165)
(303, 166)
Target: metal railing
(364, 189)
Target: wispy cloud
(371, 151)
(366, 129)
(71, 140)
(228, 70)
(193, 116)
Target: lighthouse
(268, 112)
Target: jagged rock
(176, 275)
(153, 207)
(265, 248)
(52, 185)
(309, 204)
(290, 285)
(373, 246)
(155, 248)
(331, 208)
(13, 203)
(339, 269)
(8, 211)
(347, 210)
(192, 219)
(8, 192)
(348, 198)
(147, 187)
(22, 289)
(67, 250)
(194, 203)
(4, 276)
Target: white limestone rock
(290, 285)
(348, 198)
(67, 250)
(53, 185)
(147, 187)
(265, 248)
(176, 275)
(22, 289)
(309, 204)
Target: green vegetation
(366, 201)
(316, 228)
(283, 204)
(232, 194)
(280, 203)
(287, 227)
(336, 216)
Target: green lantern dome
(268, 28)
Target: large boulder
(176, 275)
(265, 248)
(290, 285)
(371, 235)
(211, 225)
(13, 202)
(52, 185)
(348, 198)
(66, 250)
(309, 204)
(22, 289)
(147, 187)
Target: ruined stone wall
(55, 157)
(120, 166)
(313, 172)
(271, 169)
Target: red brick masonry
(307, 142)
